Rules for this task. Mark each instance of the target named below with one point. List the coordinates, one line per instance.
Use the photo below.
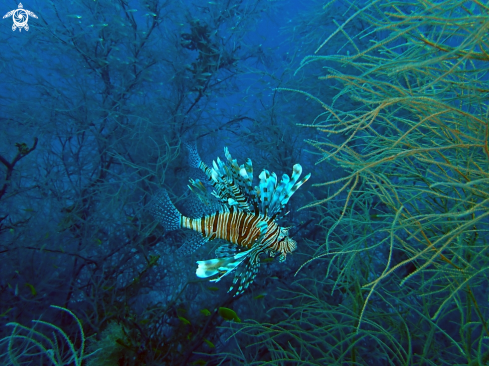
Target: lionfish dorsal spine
(200, 190)
(278, 195)
(246, 174)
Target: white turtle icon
(20, 17)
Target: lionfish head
(287, 245)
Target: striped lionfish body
(247, 217)
(235, 226)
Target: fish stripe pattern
(235, 226)
(247, 218)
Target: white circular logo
(20, 17)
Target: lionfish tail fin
(164, 211)
(222, 266)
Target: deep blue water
(98, 100)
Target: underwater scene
(244, 182)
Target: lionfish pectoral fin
(222, 266)
(247, 272)
(227, 250)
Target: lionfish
(246, 217)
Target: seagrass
(405, 250)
